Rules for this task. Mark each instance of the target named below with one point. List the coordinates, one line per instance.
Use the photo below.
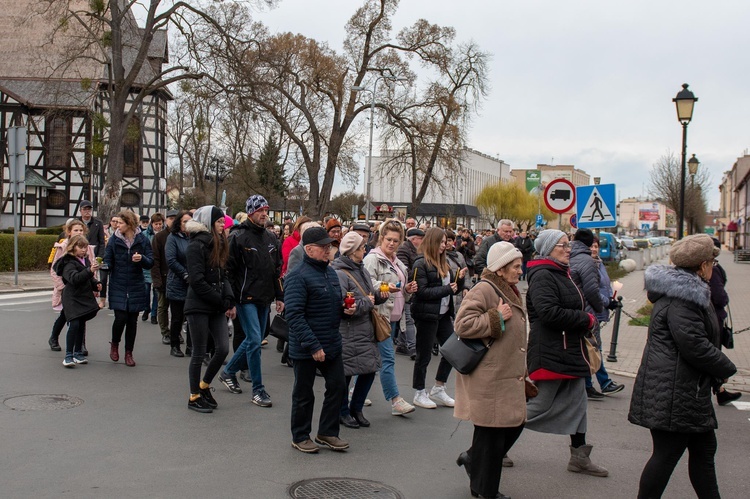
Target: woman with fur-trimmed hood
(682, 362)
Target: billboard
(533, 177)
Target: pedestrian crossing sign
(596, 206)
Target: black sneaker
(262, 399)
(402, 350)
(230, 381)
(208, 397)
(593, 394)
(54, 344)
(199, 405)
(154, 320)
(145, 315)
(613, 387)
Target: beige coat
(494, 393)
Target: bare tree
(665, 185)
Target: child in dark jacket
(80, 305)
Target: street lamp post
(86, 178)
(368, 169)
(693, 164)
(684, 101)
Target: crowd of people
(353, 298)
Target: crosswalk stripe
(742, 406)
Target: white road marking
(742, 406)
(30, 294)
(25, 302)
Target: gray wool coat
(360, 350)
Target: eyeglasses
(324, 247)
(565, 246)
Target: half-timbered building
(66, 116)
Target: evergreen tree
(269, 170)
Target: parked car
(642, 243)
(609, 249)
(628, 243)
(655, 241)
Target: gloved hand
(612, 304)
(226, 304)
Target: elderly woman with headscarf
(557, 361)
(360, 349)
(682, 362)
(493, 395)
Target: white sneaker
(401, 407)
(438, 393)
(421, 399)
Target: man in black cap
(406, 344)
(95, 226)
(363, 230)
(313, 311)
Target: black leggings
(177, 311)
(203, 326)
(127, 321)
(488, 446)
(58, 325)
(427, 331)
(668, 449)
(77, 334)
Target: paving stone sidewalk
(632, 339)
(27, 281)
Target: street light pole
(368, 167)
(684, 101)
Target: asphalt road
(133, 436)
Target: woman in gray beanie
(682, 362)
(556, 359)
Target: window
(56, 199)
(58, 130)
(130, 198)
(133, 148)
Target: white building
(447, 203)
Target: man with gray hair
(504, 232)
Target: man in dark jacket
(406, 344)
(95, 226)
(159, 275)
(254, 268)
(526, 246)
(314, 308)
(504, 232)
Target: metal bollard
(612, 357)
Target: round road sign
(560, 195)
(574, 221)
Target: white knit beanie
(501, 254)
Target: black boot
(465, 461)
(54, 344)
(723, 397)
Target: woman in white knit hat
(493, 396)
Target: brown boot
(580, 462)
(129, 359)
(114, 352)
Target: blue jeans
(601, 376)
(253, 319)
(154, 301)
(387, 369)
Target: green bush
(614, 271)
(33, 251)
(56, 230)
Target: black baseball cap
(414, 231)
(171, 213)
(317, 236)
(362, 227)
(86, 204)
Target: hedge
(33, 251)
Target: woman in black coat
(432, 310)
(682, 362)
(175, 251)
(556, 358)
(209, 301)
(80, 305)
(128, 253)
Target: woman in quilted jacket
(682, 362)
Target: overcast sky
(588, 83)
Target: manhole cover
(342, 488)
(42, 402)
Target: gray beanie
(546, 241)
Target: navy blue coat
(313, 304)
(127, 288)
(175, 251)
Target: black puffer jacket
(407, 253)
(254, 264)
(558, 321)
(585, 273)
(313, 309)
(78, 294)
(425, 304)
(209, 291)
(682, 359)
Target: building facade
(65, 114)
(639, 217)
(450, 201)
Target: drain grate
(41, 402)
(342, 488)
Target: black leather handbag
(279, 328)
(464, 354)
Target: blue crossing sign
(596, 206)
